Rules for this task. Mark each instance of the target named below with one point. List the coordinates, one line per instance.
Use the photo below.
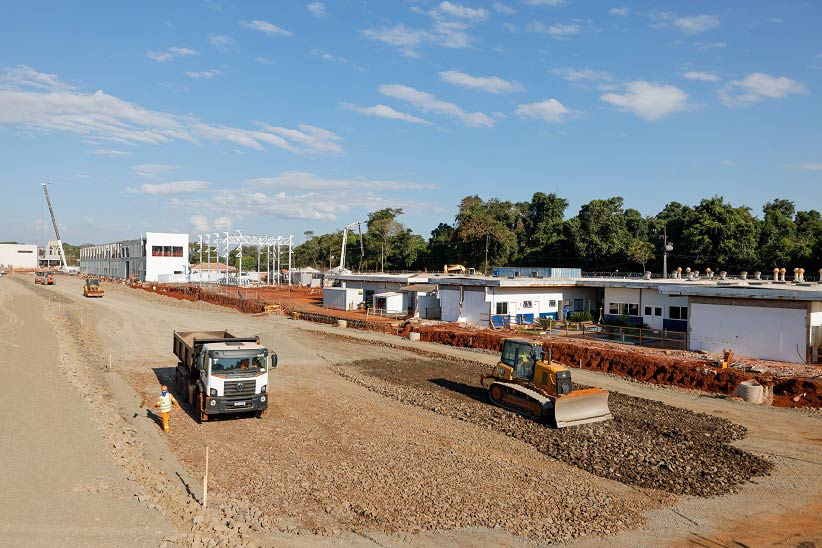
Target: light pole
(667, 247)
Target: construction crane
(341, 269)
(64, 266)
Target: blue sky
(281, 117)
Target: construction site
(304, 408)
(367, 426)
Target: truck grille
(237, 389)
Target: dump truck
(525, 383)
(44, 277)
(219, 373)
(92, 288)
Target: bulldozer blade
(582, 407)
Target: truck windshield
(239, 364)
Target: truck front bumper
(218, 405)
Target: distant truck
(220, 373)
(44, 278)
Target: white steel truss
(227, 242)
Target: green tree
(778, 239)
(382, 227)
(599, 234)
(640, 251)
(490, 226)
(544, 224)
(721, 235)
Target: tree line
(604, 236)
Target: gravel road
(648, 444)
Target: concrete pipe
(750, 391)
(342, 323)
(413, 336)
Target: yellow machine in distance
(527, 384)
(92, 288)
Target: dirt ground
(336, 461)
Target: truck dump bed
(186, 341)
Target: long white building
(757, 318)
(148, 258)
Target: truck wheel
(259, 414)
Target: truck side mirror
(273, 361)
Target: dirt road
(61, 485)
(336, 461)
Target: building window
(177, 251)
(502, 308)
(647, 310)
(658, 311)
(527, 304)
(623, 309)
(25, 251)
(678, 312)
(552, 303)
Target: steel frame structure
(226, 242)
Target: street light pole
(668, 247)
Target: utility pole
(668, 247)
(485, 270)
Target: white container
(413, 336)
(750, 391)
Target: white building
(152, 257)
(760, 319)
(18, 256)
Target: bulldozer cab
(522, 355)
(93, 284)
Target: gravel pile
(648, 444)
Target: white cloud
(552, 3)
(649, 101)
(462, 12)
(428, 103)
(170, 53)
(558, 31)
(551, 111)
(450, 25)
(811, 167)
(175, 187)
(621, 12)
(220, 41)
(504, 9)
(266, 27)
(693, 24)
(200, 223)
(400, 36)
(301, 195)
(317, 9)
(491, 84)
(263, 60)
(704, 46)
(701, 76)
(100, 117)
(383, 111)
(757, 87)
(303, 181)
(727, 163)
(583, 75)
(204, 74)
(151, 171)
(25, 76)
(111, 153)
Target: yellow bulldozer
(525, 383)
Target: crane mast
(56, 230)
(346, 228)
